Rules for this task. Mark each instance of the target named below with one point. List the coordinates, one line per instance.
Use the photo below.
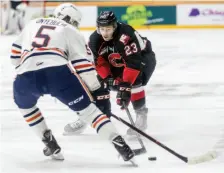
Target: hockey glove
(102, 99)
(124, 94)
(113, 83)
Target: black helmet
(106, 18)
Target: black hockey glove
(124, 94)
(102, 99)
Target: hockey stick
(143, 149)
(194, 160)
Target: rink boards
(140, 14)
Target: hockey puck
(152, 158)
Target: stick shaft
(132, 123)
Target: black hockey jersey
(122, 56)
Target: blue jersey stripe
(83, 71)
(79, 60)
(16, 45)
(15, 57)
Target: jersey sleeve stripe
(81, 81)
(16, 45)
(15, 52)
(83, 71)
(79, 60)
(14, 57)
(83, 66)
(141, 42)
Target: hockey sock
(104, 127)
(99, 121)
(35, 120)
(138, 98)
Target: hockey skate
(141, 121)
(75, 128)
(123, 149)
(52, 148)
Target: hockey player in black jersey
(125, 61)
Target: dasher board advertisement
(195, 14)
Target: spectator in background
(16, 14)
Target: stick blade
(203, 158)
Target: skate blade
(133, 162)
(76, 133)
(58, 156)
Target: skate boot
(52, 148)
(75, 128)
(141, 121)
(123, 149)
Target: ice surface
(186, 101)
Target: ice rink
(186, 101)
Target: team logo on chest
(116, 60)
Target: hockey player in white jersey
(50, 57)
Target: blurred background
(142, 14)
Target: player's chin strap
(194, 160)
(143, 149)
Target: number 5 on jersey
(45, 37)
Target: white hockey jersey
(49, 42)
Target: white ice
(186, 101)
